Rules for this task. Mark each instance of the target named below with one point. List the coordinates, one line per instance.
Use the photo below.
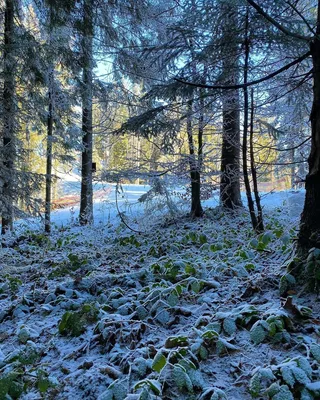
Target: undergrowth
(189, 311)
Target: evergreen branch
(288, 149)
(302, 17)
(255, 82)
(276, 24)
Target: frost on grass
(190, 310)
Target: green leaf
(203, 238)
(196, 286)
(255, 385)
(258, 333)
(154, 385)
(190, 270)
(159, 362)
(210, 334)
(176, 341)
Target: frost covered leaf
(142, 312)
(203, 353)
(306, 395)
(273, 389)
(266, 373)
(159, 362)
(173, 299)
(267, 237)
(288, 376)
(106, 395)
(229, 326)
(255, 385)
(176, 341)
(163, 316)
(314, 386)
(303, 363)
(258, 333)
(182, 379)
(254, 243)
(196, 286)
(216, 394)
(210, 335)
(118, 388)
(24, 335)
(315, 351)
(196, 378)
(223, 346)
(300, 375)
(283, 394)
(154, 385)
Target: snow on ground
(105, 210)
(185, 310)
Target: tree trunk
(253, 217)
(260, 225)
(8, 120)
(47, 214)
(86, 200)
(293, 168)
(309, 233)
(230, 196)
(196, 208)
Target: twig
(121, 217)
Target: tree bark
(86, 199)
(230, 196)
(196, 208)
(260, 223)
(309, 233)
(293, 168)
(47, 214)
(253, 217)
(8, 120)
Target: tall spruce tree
(87, 32)
(230, 152)
(8, 119)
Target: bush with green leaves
(228, 321)
(261, 242)
(173, 270)
(11, 384)
(74, 323)
(19, 371)
(175, 362)
(293, 379)
(274, 328)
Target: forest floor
(186, 309)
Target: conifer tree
(8, 119)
